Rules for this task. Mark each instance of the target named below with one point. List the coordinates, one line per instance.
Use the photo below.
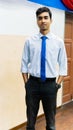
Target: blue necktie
(43, 55)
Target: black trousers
(37, 90)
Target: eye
(40, 18)
(45, 17)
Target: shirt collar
(49, 35)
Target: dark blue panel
(52, 3)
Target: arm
(60, 79)
(25, 77)
(25, 61)
(62, 60)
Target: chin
(43, 28)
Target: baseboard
(42, 117)
(39, 118)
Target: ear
(51, 20)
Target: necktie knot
(43, 37)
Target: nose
(43, 20)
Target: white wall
(18, 20)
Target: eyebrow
(41, 17)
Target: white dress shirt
(55, 55)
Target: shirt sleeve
(25, 58)
(62, 60)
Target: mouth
(43, 25)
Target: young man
(40, 56)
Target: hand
(26, 81)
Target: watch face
(68, 4)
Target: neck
(44, 32)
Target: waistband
(39, 79)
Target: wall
(17, 22)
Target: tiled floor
(64, 119)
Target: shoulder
(32, 38)
(57, 38)
(59, 41)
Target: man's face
(44, 21)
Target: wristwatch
(58, 85)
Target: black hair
(43, 9)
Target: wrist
(26, 81)
(58, 85)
